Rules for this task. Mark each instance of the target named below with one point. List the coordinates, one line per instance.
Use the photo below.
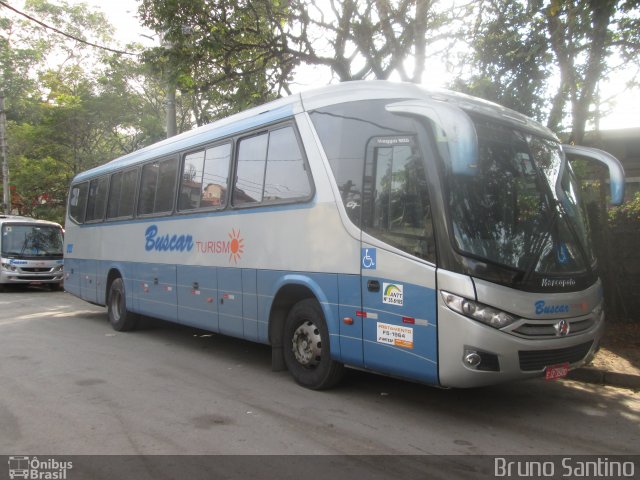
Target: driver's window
(397, 207)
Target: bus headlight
(477, 311)
(9, 267)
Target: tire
(120, 318)
(55, 287)
(307, 353)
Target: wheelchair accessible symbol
(368, 258)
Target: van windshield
(26, 241)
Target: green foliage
(548, 58)
(221, 55)
(509, 57)
(70, 107)
(627, 214)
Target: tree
(223, 55)
(72, 106)
(526, 51)
(509, 63)
(228, 55)
(371, 38)
(586, 37)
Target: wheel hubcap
(307, 344)
(115, 305)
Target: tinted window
(122, 194)
(148, 185)
(157, 186)
(396, 199)
(204, 178)
(114, 195)
(128, 194)
(286, 176)
(252, 155)
(97, 200)
(78, 201)
(270, 168)
(166, 190)
(345, 131)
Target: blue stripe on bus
(237, 302)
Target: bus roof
(307, 101)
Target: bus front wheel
(120, 318)
(307, 353)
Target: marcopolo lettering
(167, 242)
(543, 309)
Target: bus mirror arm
(454, 131)
(616, 170)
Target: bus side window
(114, 195)
(271, 168)
(252, 156)
(97, 200)
(157, 186)
(204, 178)
(286, 177)
(122, 194)
(78, 201)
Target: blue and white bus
(421, 234)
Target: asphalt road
(70, 385)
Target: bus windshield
(521, 208)
(31, 241)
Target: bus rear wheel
(307, 354)
(120, 318)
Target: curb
(604, 377)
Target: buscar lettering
(167, 242)
(543, 309)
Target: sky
(123, 15)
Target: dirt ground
(620, 349)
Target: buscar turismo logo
(179, 242)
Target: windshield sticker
(562, 254)
(393, 294)
(395, 335)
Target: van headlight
(477, 311)
(9, 267)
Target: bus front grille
(533, 329)
(536, 360)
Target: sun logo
(236, 246)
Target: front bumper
(509, 357)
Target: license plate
(556, 371)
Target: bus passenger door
(398, 275)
